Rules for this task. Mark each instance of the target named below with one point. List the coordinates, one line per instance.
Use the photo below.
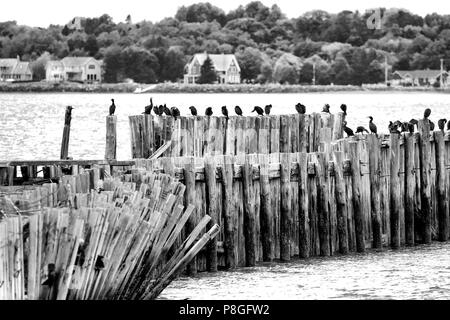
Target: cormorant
(431, 125)
(112, 108)
(166, 110)
(448, 126)
(300, 108)
(344, 108)
(158, 110)
(414, 122)
(347, 130)
(326, 108)
(148, 109)
(372, 126)
(258, 110)
(193, 110)
(175, 112)
(238, 110)
(225, 111)
(427, 113)
(393, 127)
(267, 109)
(441, 124)
(209, 112)
(410, 127)
(361, 129)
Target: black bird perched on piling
(427, 113)
(432, 126)
(372, 126)
(267, 109)
(112, 108)
(238, 110)
(393, 127)
(448, 126)
(347, 130)
(158, 110)
(326, 108)
(193, 110)
(301, 109)
(361, 129)
(166, 110)
(175, 112)
(148, 109)
(225, 111)
(344, 108)
(441, 124)
(209, 112)
(258, 110)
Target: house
(14, 70)
(226, 66)
(418, 77)
(79, 69)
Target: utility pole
(442, 73)
(314, 74)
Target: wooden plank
(441, 192)
(211, 204)
(410, 188)
(374, 169)
(286, 206)
(425, 164)
(357, 196)
(66, 133)
(267, 236)
(395, 190)
(230, 216)
(249, 214)
(303, 215)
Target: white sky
(44, 12)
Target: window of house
(91, 66)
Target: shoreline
(44, 87)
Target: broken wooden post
(111, 137)
(66, 134)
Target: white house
(80, 69)
(418, 77)
(15, 70)
(226, 66)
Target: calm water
(31, 127)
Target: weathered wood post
(189, 181)
(285, 212)
(374, 165)
(66, 134)
(266, 214)
(425, 165)
(395, 190)
(230, 215)
(249, 213)
(322, 205)
(357, 196)
(111, 137)
(211, 203)
(341, 201)
(410, 193)
(442, 199)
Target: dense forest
(269, 46)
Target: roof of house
(22, 68)
(419, 73)
(54, 63)
(221, 62)
(9, 63)
(76, 61)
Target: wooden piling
(441, 191)
(341, 201)
(249, 213)
(230, 215)
(266, 213)
(374, 169)
(410, 188)
(357, 196)
(303, 215)
(111, 137)
(211, 202)
(285, 212)
(66, 134)
(395, 190)
(425, 164)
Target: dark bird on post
(301, 109)
(410, 127)
(209, 112)
(193, 110)
(225, 111)
(404, 126)
(238, 110)
(427, 113)
(148, 109)
(432, 126)
(344, 108)
(372, 126)
(112, 108)
(267, 109)
(326, 108)
(258, 110)
(361, 129)
(448, 126)
(158, 110)
(441, 124)
(414, 122)
(175, 112)
(393, 127)
(347, 130)
(167, 110)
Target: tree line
(340, 48)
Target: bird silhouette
(208, 112)
(372, 126)
(326, 108)
(193, 110)
(347, 130)
(361, 129)
(112, 108)
(441, 124)
(432, 126)
(344, 108)
(175, 112)
(427, 113)
(148, 109)
(166, 110)
(158, 110)
(448, 126)
(267, 109)
(238, 110)
(225, 111)
(301, 109)
(258, 110)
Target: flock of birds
(394, 127)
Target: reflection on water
(422, 272)
(31, 125)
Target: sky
(41, 13)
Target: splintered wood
(117, 244)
